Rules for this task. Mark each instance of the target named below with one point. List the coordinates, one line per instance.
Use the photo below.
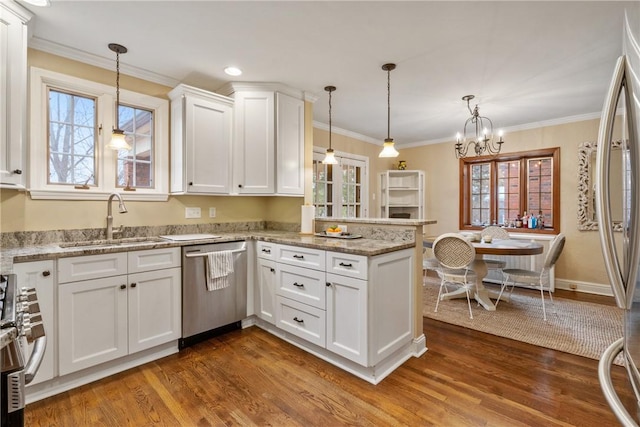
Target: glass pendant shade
(330, 158)
(118, 141)
(388, 150)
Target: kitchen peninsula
(378, 271)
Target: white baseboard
(586, 287)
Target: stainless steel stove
(20, 324)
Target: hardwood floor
(250, 377)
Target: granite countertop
(366, 247)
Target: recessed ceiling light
(233, 71)
(41, 3)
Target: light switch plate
(343, 227)
(192, 213)
(212, 212)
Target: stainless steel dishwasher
(208, 313)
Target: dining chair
(455, 254)
(430, 263)
(535, 279)
(496, 233)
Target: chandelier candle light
(388, 149)
(330, 158)
(483, 139)
(118, 141)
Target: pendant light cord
(117, 90)
(388, 103)
(330, 118)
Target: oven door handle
(32, 366)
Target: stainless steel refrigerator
(620, 123)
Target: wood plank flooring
(249, 377)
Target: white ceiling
(526, 61)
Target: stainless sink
(112, 242)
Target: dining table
(496, 247)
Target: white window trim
(349, 159)
(106, 174)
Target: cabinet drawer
(154, 259)
(301, 284)
(87, 267)
(347, 265)
(304, 257)
(301, 320)
(266, 250)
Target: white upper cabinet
(254, 148)
(13, 101)
(201, 130)
(290, 145)
(268, 156)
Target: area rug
(581, 328)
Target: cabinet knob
(134, 284)
(239, 185)
(46, 273)
(328, 284)
(190, 182)
(123, 286)
(273, 270)
(17, 171)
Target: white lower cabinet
(356, 307)
(267, 290)
(41, 276)
(104, 318)
(347, 317)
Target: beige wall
(18, 212)
(581, 260)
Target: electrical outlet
(343, 227)
(573, 286)
(192, 213)
(212, 212)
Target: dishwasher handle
(194, 254)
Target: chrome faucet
(121, 208)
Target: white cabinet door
(201, 130)
(289, 145)
(41, 276)
(92, 322)
(347, 317)
(154, 308)
(254, 148)
(267, 290)
(13, 87)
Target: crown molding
(350, 134)
(99, 61)
(24, 14)
(228, 89)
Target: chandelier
(482, 139)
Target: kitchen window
(339, 191)
(71, 122)
(498, 189)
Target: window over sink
(71, 122)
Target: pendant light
(388, 149)
(118, 141)
(330, 158)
